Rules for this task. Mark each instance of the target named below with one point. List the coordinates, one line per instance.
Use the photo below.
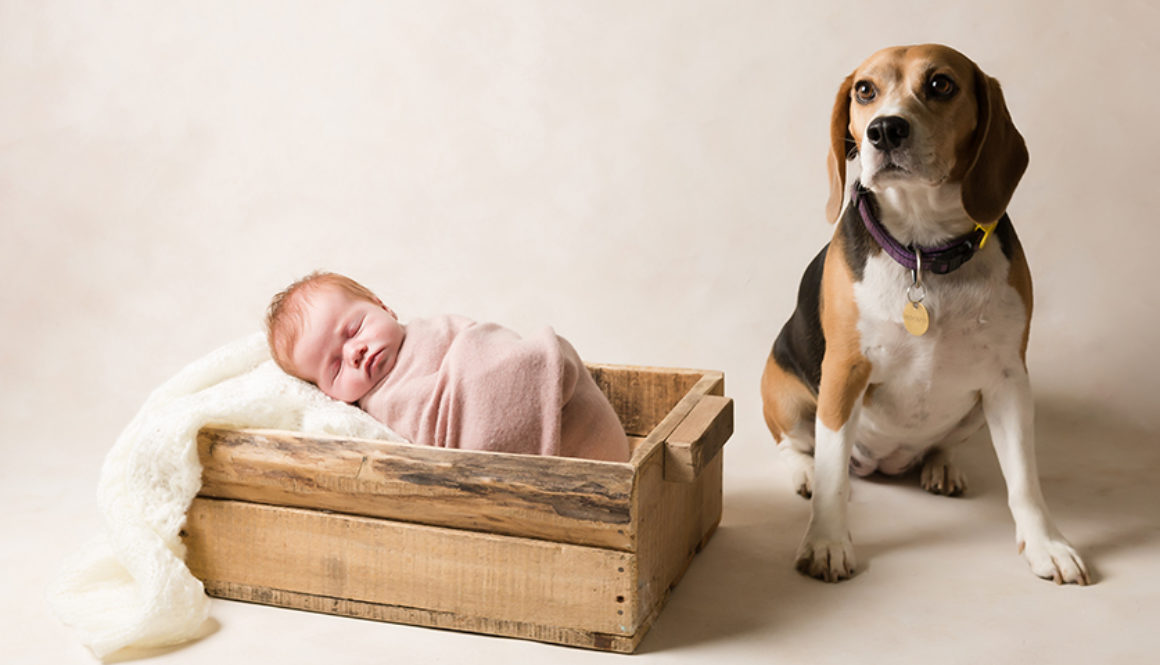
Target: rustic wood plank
(698, 438)
(710, 383)
(712, 498)
(369, 560)
(429, 618)
(575, 501)
(678, 519)
(605, 542)
(568, 500)
(674, 519)
(643, 396)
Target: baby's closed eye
(355, 327)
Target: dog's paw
(828, 560)
(941, 476)
(803, 480)
(1056, 560)
(801, 469)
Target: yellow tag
(987, 230)
(915, 318)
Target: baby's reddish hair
(284, 316)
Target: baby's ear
(389, 310)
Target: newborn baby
(446, 381)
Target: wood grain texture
(568, 500)
(643, 396)
(575, 501)
(675, 520)
(430, 618)
(560, 550)
(697, 440)
(465, 573)
(709, 383)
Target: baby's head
(335, 333)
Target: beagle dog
(911, 325)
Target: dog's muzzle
(888, 132)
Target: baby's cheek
(335, 392)
(351, 392)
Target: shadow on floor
(1099, 476)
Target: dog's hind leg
(797, 453)
(940, 475)
(789, 409)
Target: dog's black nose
(888, 132)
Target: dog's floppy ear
(1000, 155)
(840, 146)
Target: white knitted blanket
(130, 587)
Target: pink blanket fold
(479, 386)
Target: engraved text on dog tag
(915, 318)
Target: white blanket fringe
(130, 587)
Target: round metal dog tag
(915, 318)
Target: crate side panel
(369, 560)
(676, 519)
(429, 618)
(643, 396)
(567, 500)
(707, 383)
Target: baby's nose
(357, 353)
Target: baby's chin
(371, 390)
(344, 398)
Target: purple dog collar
(938, 260)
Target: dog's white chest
(922, 387)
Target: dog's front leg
(826, 551)
(1009, 411)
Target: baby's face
(346, 345)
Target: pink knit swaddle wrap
(479, 386)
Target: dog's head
(926, 116)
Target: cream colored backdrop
(646, 176)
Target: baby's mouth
(371, 363)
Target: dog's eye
(941, 86)
(865, 92)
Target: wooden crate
(562, 550)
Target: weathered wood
(554, 549)
(465, 573)
(710, 383)
(567, 500)
(697, 440)
(675, 520)
(430, 618)
(643, 396)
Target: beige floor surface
(939, 578)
